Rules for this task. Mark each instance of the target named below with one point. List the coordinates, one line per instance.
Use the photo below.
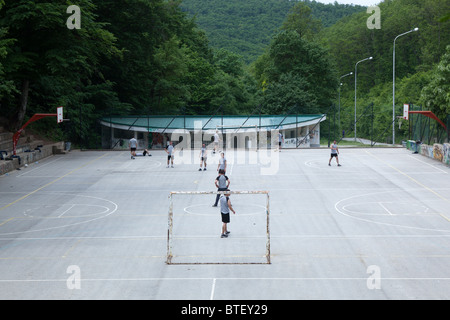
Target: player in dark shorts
(222, 182)
(225, 207)
(133, 145)
(203, 157)
(334, 153)
(280, 141)
(170, 151)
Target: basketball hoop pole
(35, 117)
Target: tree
(6, 86)
(229, 62)
(436, 95)
(247, 27)
(51, 65)
(170, 66)
(302, 66)
(291, 89)
(300, 19)
(141, 27)
(161, 48)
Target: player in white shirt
(216, 141)
(133, 145)
(203, 156)
(334, 153)
(170, 152)
(222, 163)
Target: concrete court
(93, 225)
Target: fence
(375, 123)
(427, 130)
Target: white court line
(338, 204)
(213, 289)
(340, 188)
(381, 204)
(22, 174)
(415, 158)
(411, 178)
(66, 211)
(231, 170)
(164, 237)
(234, 278)
(112, 210)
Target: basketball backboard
(59, 115)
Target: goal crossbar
(218, 192)
(170, 221)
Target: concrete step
(23, 158)
(6, 145)
(6, 136)
(24, 143)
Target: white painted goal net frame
(170, 224)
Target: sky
(365, 3)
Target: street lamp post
(339, 109)
(356, 71)
(393, 83)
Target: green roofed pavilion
(155, 131)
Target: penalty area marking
(52, 182)
(341, 209)
(111, 211)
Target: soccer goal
(194, 228)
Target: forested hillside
(246, 27)
(417, 57)
(148, 57)
(128, 57)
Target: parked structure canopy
(293, 127)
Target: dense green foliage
(295, 72)
(150, 57)
(247, 27)
(417, 54)
(129, 57)
(49, 65)
(436, 93)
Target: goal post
(260, 238)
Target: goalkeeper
(225, 208)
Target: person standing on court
(133, 145)
(203, 156)
(222, 183)
(222, 163)
(280, 141)
(225, 208)
(216, 141)
(334, 153)
(170, 152)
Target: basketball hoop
(59, 115)
(35, 117)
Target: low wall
(437, 151)
(29, 157)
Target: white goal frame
(170, 224)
